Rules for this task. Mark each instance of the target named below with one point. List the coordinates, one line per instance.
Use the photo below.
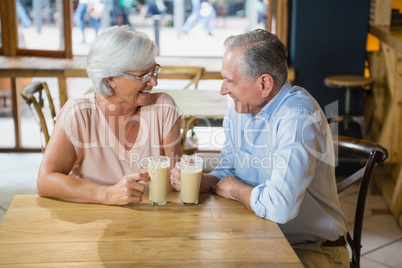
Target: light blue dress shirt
(286, 153)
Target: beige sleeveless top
(101, 158)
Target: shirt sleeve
(300, 137)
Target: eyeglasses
(146, 77)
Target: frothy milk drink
(158, 170)
(190, 181)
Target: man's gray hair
(263, 53)
(116, 50)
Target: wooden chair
(192, 73)
(373, 154)
(33, 95)
(187, 124)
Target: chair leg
(355, 260)
(360, 120)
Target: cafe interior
(347, 54)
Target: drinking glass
(190, 177)
(158, 169)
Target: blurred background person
(207, 15)
(193, 18)
(90, 10)
(22, 15)
(262, 8)
(120, 12)
(95, 11)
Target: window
(42, 28)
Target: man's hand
(175, 177)
(233, 188)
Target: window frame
(8, 13)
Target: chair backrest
(33, 95)
(373, 154)
(193, 73)
(187, 124)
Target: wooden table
(219, 232)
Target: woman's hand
(128, 190)
(175, 177)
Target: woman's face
(132, 90)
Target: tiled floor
(382, 238)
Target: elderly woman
(100, 141)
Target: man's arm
(235, 189)
(208, 182)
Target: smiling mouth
(144, 91)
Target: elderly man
(278, 158)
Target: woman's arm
(53, 179)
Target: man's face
(246, 95)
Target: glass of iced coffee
(190, 177)
(158, 169)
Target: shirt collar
(267, 110)
(273, 104)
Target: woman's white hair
(116, 50)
